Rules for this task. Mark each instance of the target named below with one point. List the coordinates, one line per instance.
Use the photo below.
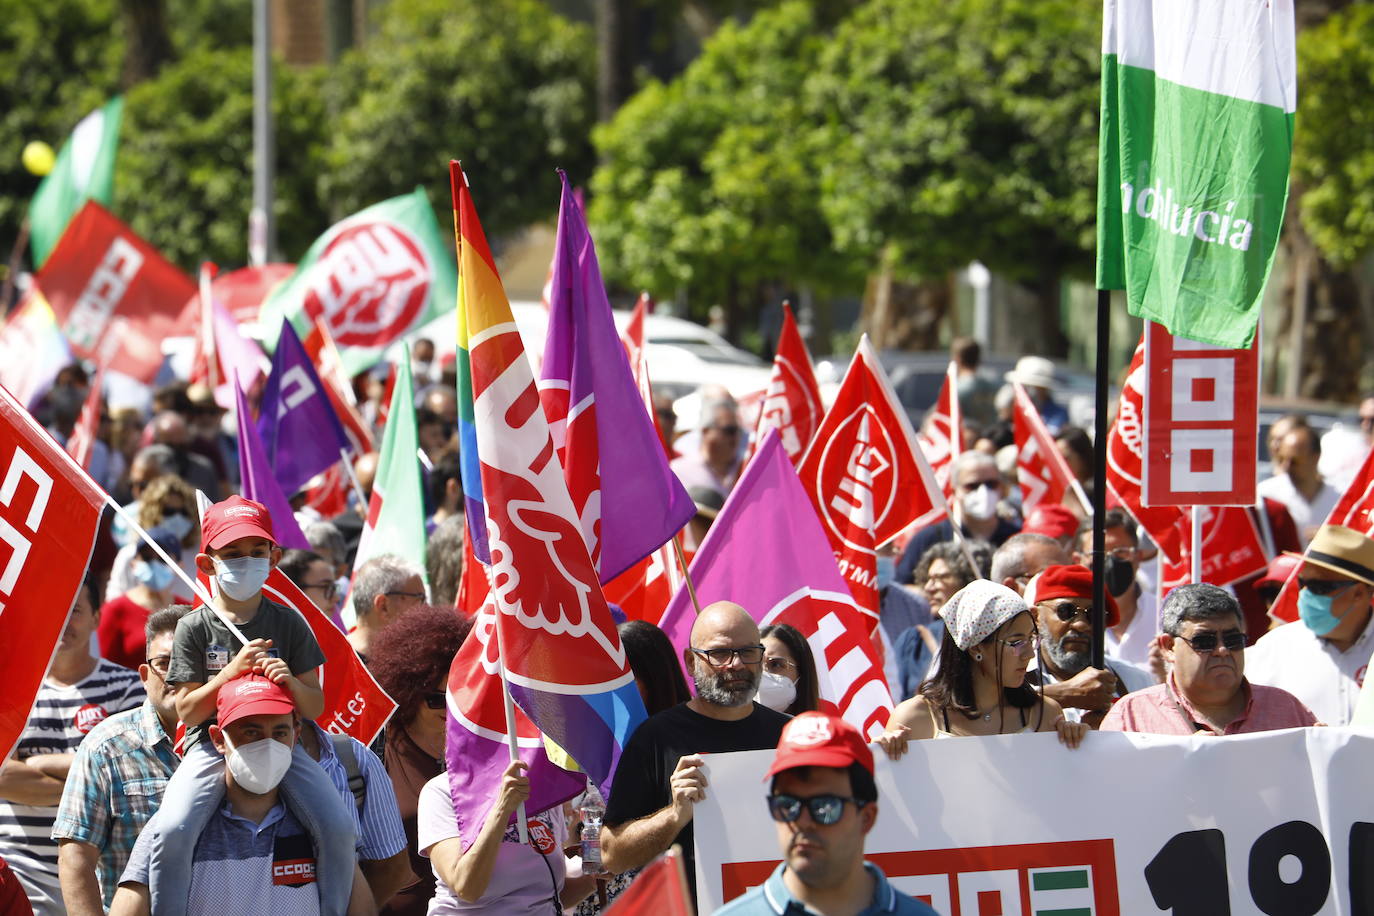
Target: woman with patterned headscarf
(979, 685)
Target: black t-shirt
(642, 778)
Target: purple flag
(477, 751)
(767, 552)
(258, 482)
(238, 356)
(301, 433)
(628, 502)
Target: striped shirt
(380, 832)
(61, 717)
(240, 868)
(114, 787)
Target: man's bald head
(169, 428)
(724, 618)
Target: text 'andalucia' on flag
(1198, 98)
(554, 635)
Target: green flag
(84, 169)
(1197, 131)
(371, 279)
(396, 512)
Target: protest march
(345, 586)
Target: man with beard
(1206, 692)
(1062, 599)
(660, 779)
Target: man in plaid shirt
(116, 781)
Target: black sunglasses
(825, 809)
(436, 700)
(1067, 611)
(1325, 586)
(1202, 643)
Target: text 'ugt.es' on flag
(1198, 99)
(554, 634)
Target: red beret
(1068, 582)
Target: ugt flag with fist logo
(370, 279)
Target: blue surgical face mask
(178, 523)
(243, 577)
(887, 570)
(153, 573)
(1315, 611)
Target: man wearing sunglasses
(1206, 692)
(716, 461)
(660, 777)
(824, 802)
(1321, 659)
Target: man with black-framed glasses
(1322, 658)
(824, 801)
(660, 779)
(116, 781)
(1206, 692)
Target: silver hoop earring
(978, 657)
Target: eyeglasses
(159, 663)
(436, 700)
(327, 588)
(825, 809)
(1068, 611)
(719, 658)
(942, 577)
(723, 430)
(776, 664)
(1021, 642)
(1325, 586)
(1207, 641)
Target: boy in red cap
(825, 802)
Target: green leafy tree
(506, 86)
(185, 169)
(709, 183)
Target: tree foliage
(185, 172)
(506, 86)
(709, 182)
(1333, 154)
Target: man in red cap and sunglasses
(825, 802)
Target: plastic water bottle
(593, 809)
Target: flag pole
(1099, 505)
(512, 738)
(686, 576)
(353, 478)
(1197, 544)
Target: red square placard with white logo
(1201, 421)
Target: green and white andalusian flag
(1197, 131)
(84, 170)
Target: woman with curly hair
(410, 660)
(170, 503)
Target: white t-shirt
(1326, 679)
(1305, 514)
(1134, 645)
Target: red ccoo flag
(792, 403)
(866, 475)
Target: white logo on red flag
(1040, 468)
(792, 400)
(1201, 422)
(1231, 548)
(942, 433)
(865, 474)
(371, 282)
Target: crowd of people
(173, 763)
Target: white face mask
(260, 766)
(242, 578)
(776, 692)
(981, 504)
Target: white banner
(1279, 823)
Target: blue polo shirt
(772, 898)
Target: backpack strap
(348, 756)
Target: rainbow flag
(558, 646)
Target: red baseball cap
(1051, 520)
(1068, 582)
(818, 739)
(1280, 568)
(251, 695)
(232, 519)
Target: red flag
(49, 514)
(106, 283)
(354, 703)
(80, 445)
(1231, 548)
(942, 435)
(319, 345)
(1355, 509)
(633, 335)
(866, 475)
(1043, 473)
(644, 590)
(1125, 460)
(660, 889)
(792, 402)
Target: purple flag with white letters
(301, 434)
(258, 482)
(628, 501)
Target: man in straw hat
(1322, 659)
